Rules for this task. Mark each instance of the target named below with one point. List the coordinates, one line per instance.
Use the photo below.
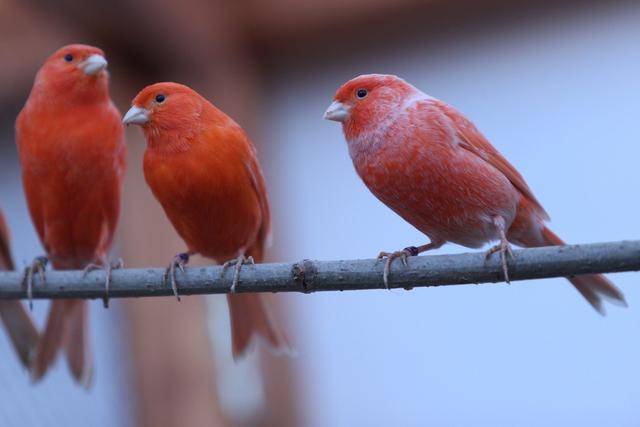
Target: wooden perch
(313, 276)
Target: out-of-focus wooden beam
(172, 379)
(281, 18)
(172, 372)
(27, 38)
(285, 33)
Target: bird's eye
(361, 93)
(68, 57)
(159, 98)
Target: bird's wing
(257, 181)
(111, 192)
(473, 141)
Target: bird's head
(164, 107)
(75, 70)
(366, 100)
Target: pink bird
(429, 163)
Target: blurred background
(554, 86)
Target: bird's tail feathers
(66, 327)
(251, 315)
(21, 329)
(593, 287)
(78, 345)
(15, 317)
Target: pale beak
(337, 111)
(93, 65)
(136, 116)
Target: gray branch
(312, 276)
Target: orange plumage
(72, 153)
(203, 170)
(21, 329)
(432, 166)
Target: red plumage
(432, 166)
(72, 153)
(204, 171)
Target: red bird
(203, 170)
(430, 164)
(16, 319)
(72, 153)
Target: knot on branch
(303, 274)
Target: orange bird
(203, 170)
(16, 319)
(430, 164)
(72, 152)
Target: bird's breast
(208, 200)
(72, 164)
(436, 187)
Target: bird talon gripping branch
(505, 249)
(237, 263)
(179, 261)
(108, 267)
(38, 266)
(403, 255)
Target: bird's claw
(180, 261)
(38, 266)
(237, 263)
(391, 256)
(107, 266)
(504, 247)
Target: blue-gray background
(558, 96)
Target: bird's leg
(504, 247)
(180, 261)
(107, 266)
(237, 263)
(38, 266)
(403, 255)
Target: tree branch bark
(313, 276)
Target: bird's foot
(179, 261)
(504, 247)
(237, 264)
(107, 266)
(38, 266)
(403, 255)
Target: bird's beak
(136, 116)
(337, 111)
(93, 65)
